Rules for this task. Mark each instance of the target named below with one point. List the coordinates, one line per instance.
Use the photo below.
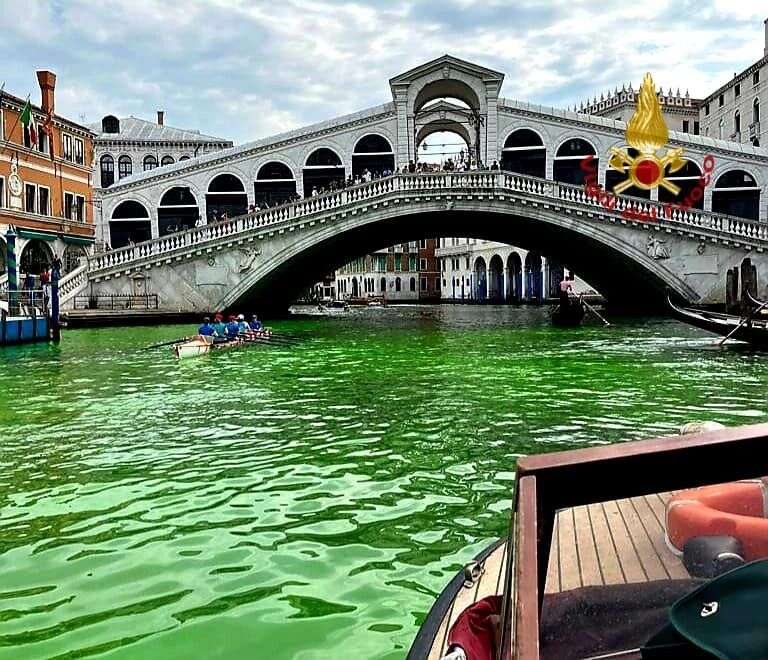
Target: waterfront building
(680, 111)
(732, 112)
(125, 146)
(474, 270)
(46, 189)
(406, 272)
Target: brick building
(46, 189)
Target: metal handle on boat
(472, 572)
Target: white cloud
(242, 70)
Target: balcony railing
(142, 302)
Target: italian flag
(29, 123)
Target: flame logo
(647, 132)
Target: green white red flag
(29, 123)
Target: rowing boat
(203, 344)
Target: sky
(244, 70)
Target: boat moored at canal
(587, 571)
(751, 328)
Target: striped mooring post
(13, 281)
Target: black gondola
(752, 329)
(569, 316)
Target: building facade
(123, 147)
(46, 191)
(474, 270)
(680, 111)
(732, 112)
(407, 272)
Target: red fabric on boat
(476, 629)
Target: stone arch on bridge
(225, 196)
(496, 279)
(524, 152)
(130, 223)
(177, 211)
(323, 169)
(534, 281)
(736, 193)
(568, 157)
(372, 152)
(447, 78)
(275, 183)
(515, 275)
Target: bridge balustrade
(422, 182)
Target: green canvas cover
(728, 616)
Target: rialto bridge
(536, 201)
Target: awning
(43, 236)
(77, 240)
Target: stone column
(506, 284)
(404, 127)
(492, 124)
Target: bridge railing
(497, 181)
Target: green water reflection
(308, 501)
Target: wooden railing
(497, 182)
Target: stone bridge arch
(602, 256)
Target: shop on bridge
(322, 170)
(178, 211)
(737, 193)
(567, 163)
(524, 153)
(226, 196)
(275, 184)
(129, 223)
(373, 153)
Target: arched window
(373, 153)
(322, 171)
(737, 193)
(167, 160)
(107, 171)
(275, 184)
(524, 153)
(721, 128)
(150, 162)
(413, 284)
(124, 167)
(225, 198)
(183, 158)
(383, 284)
(686, 178)
(110, 124)
(737, 123)
(756, 111)
(129, 223)
(398, 284)
(568, 159)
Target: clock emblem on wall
(14, 182)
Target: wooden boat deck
(614, 542)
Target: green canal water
(306, 502)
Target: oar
(267, 339)
(594, 311)
(168, 343)
(746, 319)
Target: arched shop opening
(614, 177)
(129, 222)
(177, 211)
(73, 256)
(515, 274)
(35, 256)
(275, 184)
(322, 171)
(686, 178)
(373, 153)
(524, 152)
(226, 195)
(736, 193)
(481, 284)
(567, 164)
(533, 277)
(496, 278)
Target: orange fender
(735, 509)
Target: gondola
(570, 316)
(752, 329)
